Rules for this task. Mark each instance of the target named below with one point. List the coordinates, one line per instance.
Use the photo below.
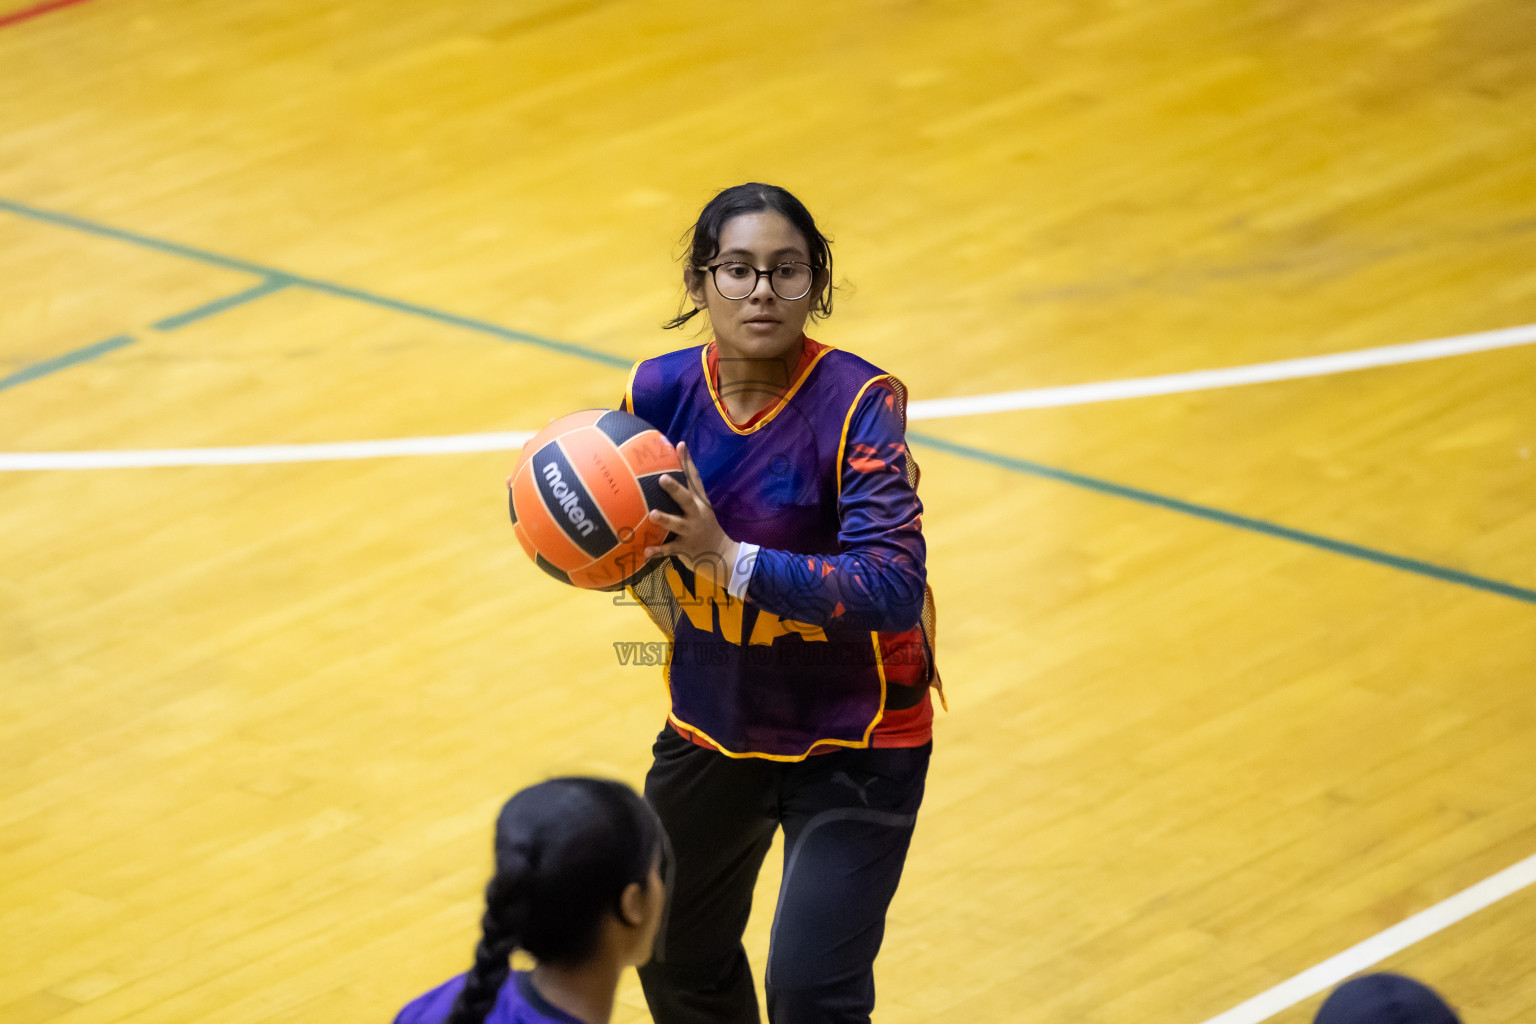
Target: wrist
(740, 560)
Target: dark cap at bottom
(1385, 999)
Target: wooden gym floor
(1245, 684)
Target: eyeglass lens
(789, 281)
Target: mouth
(762, 320)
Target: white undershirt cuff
(741, 572)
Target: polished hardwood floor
(255, 720)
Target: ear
(693, 281)
(632, 905)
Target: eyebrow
(788, 250)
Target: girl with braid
(578, 886)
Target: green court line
(68, 359)
(316, 284)
(1017, 465)
(207, 309)
(1216, 515)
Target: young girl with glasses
(578, 886)
(793, 589)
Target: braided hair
(755, 197)
(566, 850)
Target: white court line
(936, 408)
(265, 453)
(1232, 376)
(1382, 945)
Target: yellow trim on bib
(783, 400)
(842, 442)
(629, 389)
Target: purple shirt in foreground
(517, 1003)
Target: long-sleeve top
(823, 638)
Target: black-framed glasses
(789, 281)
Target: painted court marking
(267, 286)
(57, 363)
(170, 323)
(28, 13)
(1216, 515)
(1381, 945)
(1231, 376)
(254, 455)
(313, 283)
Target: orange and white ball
(581, 492)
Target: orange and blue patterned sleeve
(876, 581)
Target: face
(762, 325)
(642, 912)
(655, 902)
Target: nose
(763, 286)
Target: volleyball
(581, 492)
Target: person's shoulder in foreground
(517, 1003)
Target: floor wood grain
(256, 720)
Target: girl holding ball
(793, 590)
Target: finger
(689, 500)
(692, 471)
(684, 460)
(675, 487)
(671, 522)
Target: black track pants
(847, 817)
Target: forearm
(879, 587)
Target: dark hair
(566, 850)
(1373, 998)
(755, 197)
